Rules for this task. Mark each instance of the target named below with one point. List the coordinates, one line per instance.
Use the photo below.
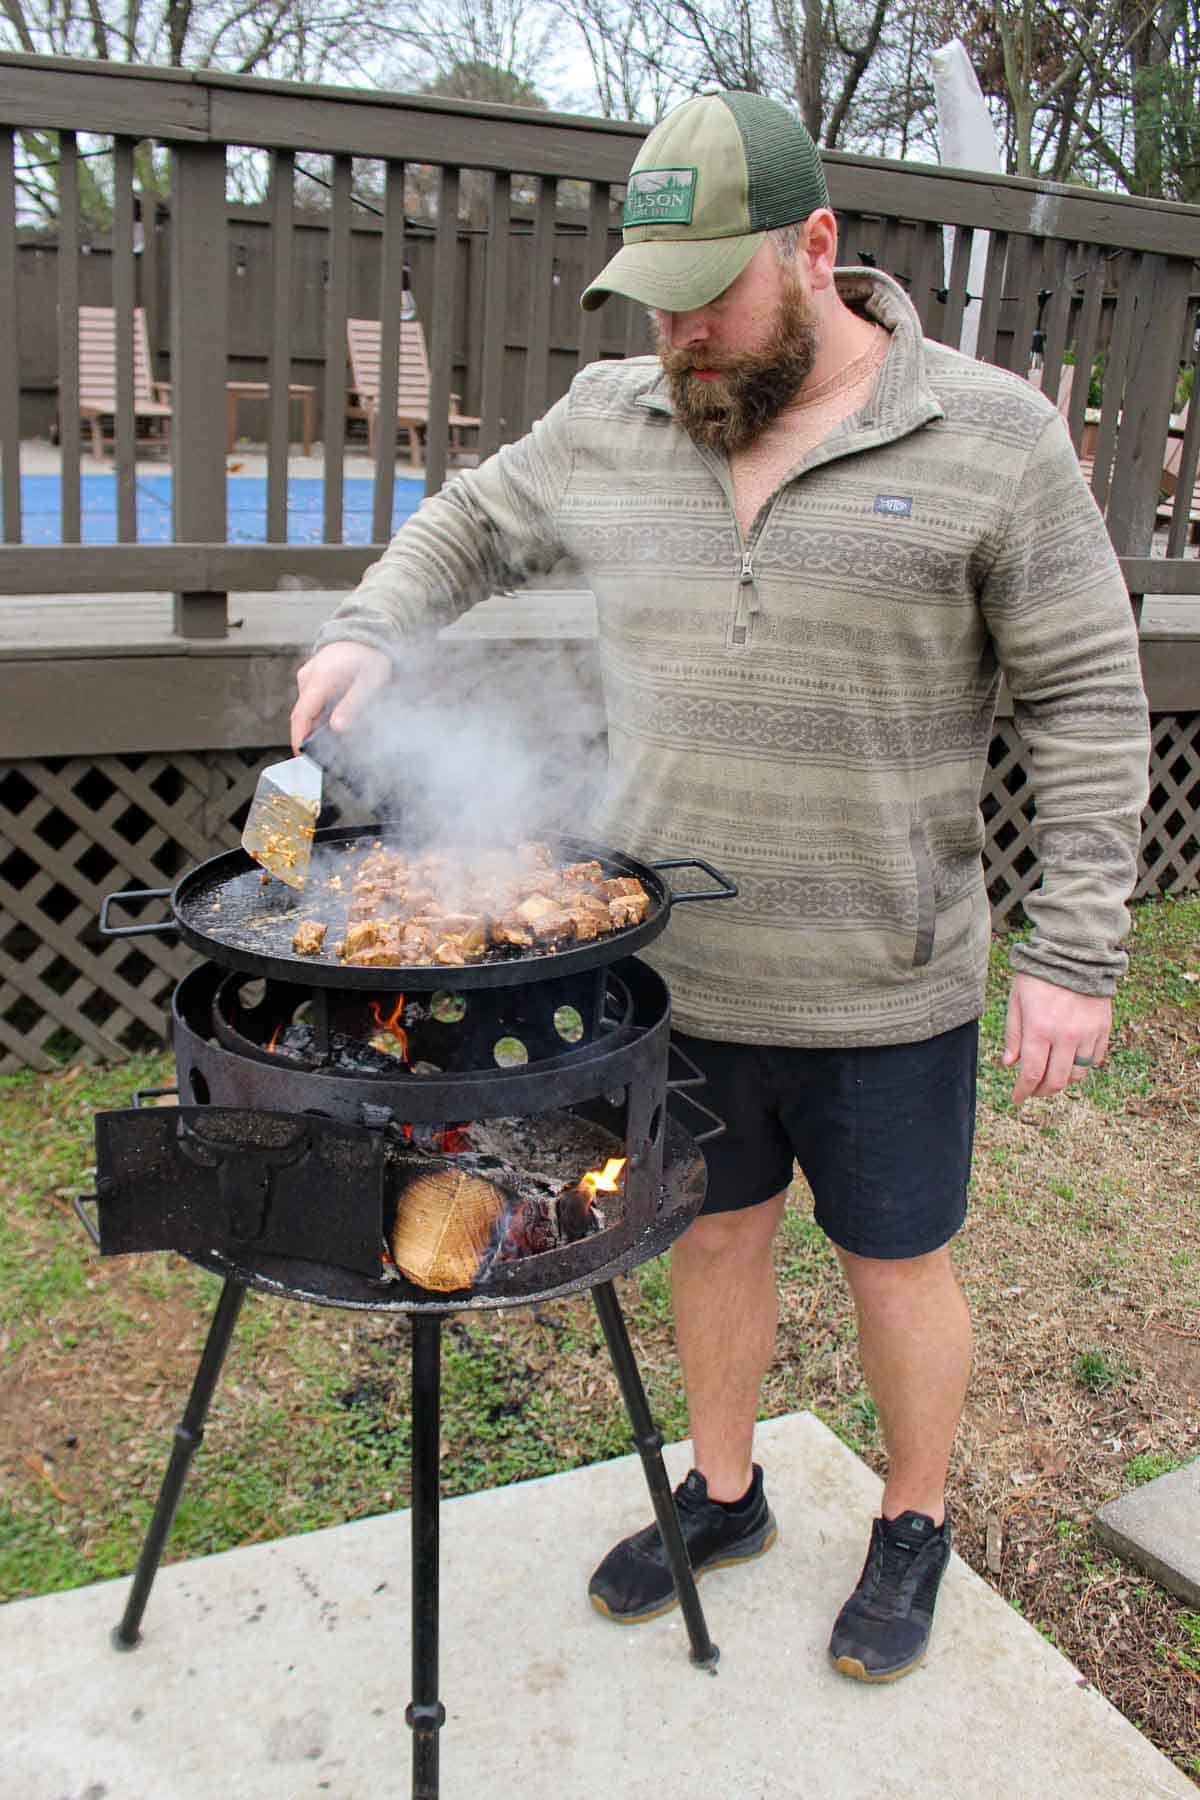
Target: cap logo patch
(896, 506)
(660, 197)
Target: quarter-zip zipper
(746, 601)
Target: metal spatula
(287, 800)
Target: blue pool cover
(41, 503)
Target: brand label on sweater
(899, 506)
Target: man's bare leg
(723, 1290)
(914, 1334)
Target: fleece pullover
(810, 705)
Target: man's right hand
(343, 676)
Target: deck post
(199, 331)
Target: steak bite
(589, 916)
(308, 937)
(544, 918)
(628, 901)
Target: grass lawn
(1081, 1259)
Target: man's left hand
(1057, 1036)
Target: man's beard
(753, 387)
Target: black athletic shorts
(882, 1135)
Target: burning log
(454, 1225)
(445, 1225)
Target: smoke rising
(480, 745)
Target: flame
(392, 1023)
(273, 1039)
(602, 1181)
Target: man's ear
(819, 248)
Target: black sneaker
(883, 1629)
(634, 1581)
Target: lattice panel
(1170, 855)
(1007, 805)
(74, 829)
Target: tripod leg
(648, 1439)
(425, 1713)
(188, 1437)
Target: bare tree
(463, 47)
(1105, 92)
(299, 40)
(815, 55)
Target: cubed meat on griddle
(308, 937)
(463, 946)
(628, 901)
(512, 931)
(544, 918)
(589, 916)
(440, 908)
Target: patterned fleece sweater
(810, 707)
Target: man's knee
(886, 1283)
(743, 1234)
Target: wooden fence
(121, 763)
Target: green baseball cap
(709, 181)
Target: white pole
(967, 140)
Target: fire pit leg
(425, 1713)
(649, 1441)
(188, 1436)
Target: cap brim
(673, 274)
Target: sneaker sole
(665, 1606)
(857, 1671)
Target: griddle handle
(160, 929)
(88, 1224)
(142, 1096)
(724, 890)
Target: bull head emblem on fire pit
(246, 1176)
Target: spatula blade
(282, 819)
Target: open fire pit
(428, 1139)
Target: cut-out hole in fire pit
(568, 1022)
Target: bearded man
(815, 540)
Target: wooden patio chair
(412, 396)
(1169, 480)
(1066, 384)
(1066, 381)
(98, 378)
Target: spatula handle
(324, 745)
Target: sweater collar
(903, 397)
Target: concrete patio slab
(280, 1671)
(1157, 1526)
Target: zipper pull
(747, 599)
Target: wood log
(445, 1222)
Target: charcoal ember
(527, 1228)
(297, 1040)
(354, 1057)
(577, 1216)
(428, 1137)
